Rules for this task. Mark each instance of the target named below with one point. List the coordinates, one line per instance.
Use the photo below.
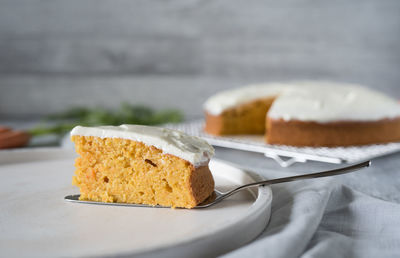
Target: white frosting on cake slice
(311, 101)
(193, 149)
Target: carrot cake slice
(306, 114)
(143, 165)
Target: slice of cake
(305, 114)
(143, 165)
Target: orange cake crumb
(127, 171)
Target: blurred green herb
(126, 114)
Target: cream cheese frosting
(193, 149)
(224, 100)
(312, 101)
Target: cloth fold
(356, 225)
(324, 218)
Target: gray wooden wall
(60, 53)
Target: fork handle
(333, 172)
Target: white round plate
(36, 221)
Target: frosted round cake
(306, 114)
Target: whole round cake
(305, 114)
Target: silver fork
(219, 196)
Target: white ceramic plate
(35, 221)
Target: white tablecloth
(329, 218)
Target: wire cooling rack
(288, 155)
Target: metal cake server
(219, 196)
